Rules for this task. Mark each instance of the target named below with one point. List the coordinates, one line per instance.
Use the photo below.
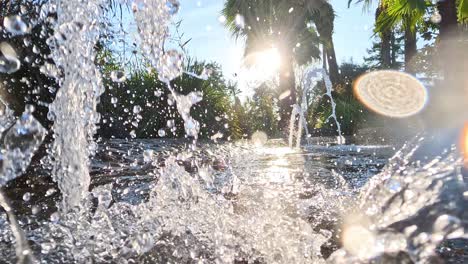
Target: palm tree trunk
(448, 36)
(410, 48)
(287, 84)
(385, 38)
(324, 58)
(394, 51)
(333, 70)
(386, 49)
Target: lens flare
(265, 63)
(259, 138)
(391, 93)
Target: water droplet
(15, 25)
(118, 76)
(136, 109)
(133, 134)
(55, 217)
(222, 19)
(162, 132)
(394, 186)
(35, 209)
(158, 93)
(206, 73)
(9, 62)
(114, 100)
(436, 18)
(30, 108)
(173, 6)
(46, 247)
(50, 191)
(170, 123)
(217, 136)
(26, 196)
(148, 155)
(170, 66)
(240, 21)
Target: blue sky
(212, 42)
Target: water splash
(118, 76)
(23, 252)
(297, 111)
(153, 18)
(74, 109)
(205, 74)
(7, 118)
(329, 87)
(19, 145)
(411, 207)
(15, 25)
(312, 76)
(9, 62)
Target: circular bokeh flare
(391, 93)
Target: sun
(262, 65)
(268, 61)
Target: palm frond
(463, 11)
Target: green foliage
(375, 61)
(406, 13)
(349, 111)
(28, 85)
(463, 10)
(142, 90)
(261, 111)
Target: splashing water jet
(329, 87)
(74, 109)
(153, 19)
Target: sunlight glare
(261, 66)
(269, 61)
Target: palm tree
(386, 20)
(283, 24)
(323, 15)
(409, 16)
(386, 36)
(411, 12)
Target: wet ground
(299, 191)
